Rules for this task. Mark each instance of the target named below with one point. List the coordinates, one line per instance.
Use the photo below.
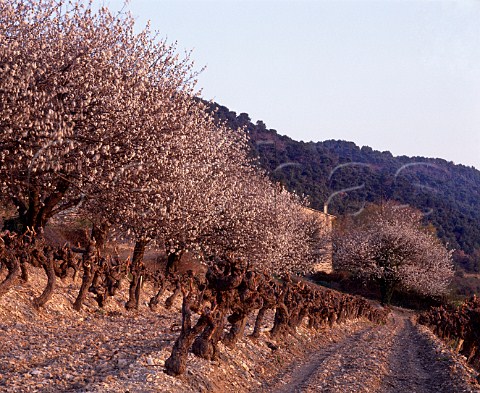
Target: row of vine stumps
(230, 291)
(458, 326)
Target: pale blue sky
(401, 76)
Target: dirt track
(397, 357)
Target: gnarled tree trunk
(176, 293)
(205, 345)
(89, 263)
(13, 265)
(159, 290)
(259, 321)
(48, 266)
(280, 321)
(176, 364)
(238, 321)
(172, 262)
(136, 271)
(36, 212)
(387, 287)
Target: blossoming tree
(390, 245)
(96, 115)
(79, 92)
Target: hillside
(449, 194)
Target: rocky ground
(397, 357)
(56, 349)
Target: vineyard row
(230, 291)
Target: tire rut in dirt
(323, 370)
(392, 358)
(415, 366)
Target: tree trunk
(205, 345)
(51, 202)
(176, 293)
(176, 364)
(13, 266)
(39, 212)
(48, 266)
(100, 234)
(172, 263)
(87, 279)
(297, 320)
(99, 287)
(259, 321)
(280, 322)
(238, 321)
(156, 298)
(29, 220)
(23, 268)
(89, 262)
(136, 270)
(387, 288)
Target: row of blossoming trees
(97, 117)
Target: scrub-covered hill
(347, 176)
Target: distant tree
(389, 245)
